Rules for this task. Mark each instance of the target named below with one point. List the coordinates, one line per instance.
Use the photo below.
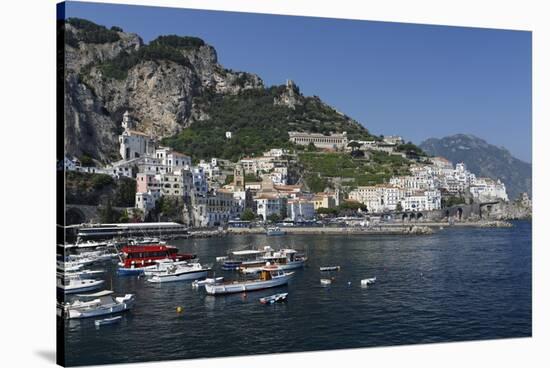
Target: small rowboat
(107, 321)
(366, 282)
(274, 298)
(326, 281)
(329, 268)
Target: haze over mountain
(484, 159)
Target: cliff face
(483, 159)
(109, 71)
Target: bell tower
(238, 178)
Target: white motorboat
(274, 231)
(91, 244)
(366, 282)
(83, 274)
(246, 258)
(286, 259)
(190, 271)
(199, 283)
(326, 282)
(329, 268)
(270, 276)
(98, 304)
(162, 266)
(71, 285)
(68, 266)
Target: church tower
(127, 121)
(238, 178)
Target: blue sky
(417, 81)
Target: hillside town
(216, 192)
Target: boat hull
(193, 275)
(239, 287)
(79, 289)
(122, 271)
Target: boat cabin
(269, 272)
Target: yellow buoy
(179, 309)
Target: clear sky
(417, 81)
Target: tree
(354, 145)
(311, 147)
(273, 218)
(248, 215)
(399, 207)
(327, 211)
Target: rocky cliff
(170, 85)
(106, 76)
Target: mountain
(483, 159)
(177, 91)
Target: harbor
(422, 288)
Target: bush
(99, 181)
(93, 33)
(248, 215)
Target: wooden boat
(274, 298)
(270, 276)
(191, 271)
(98, 304)
(107, 321)
(329, 268)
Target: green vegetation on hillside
(89, 32)
(94, 189)
(256, 123)
(376, 169)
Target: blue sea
(456, 285)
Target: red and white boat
(135, 258)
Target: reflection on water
(458, 284)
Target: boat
(274, 231)
(161, 266)
(366, 282)
(136, 257)
(91, 244)
(107, 321)
(145, 241)
(83, 274)
(75, 284)
(68, 266)
(246, 258)
(329, 268)
(191, 271)
(98, 304)
(199, 283)
(286, 259)
(326, 281)
(270, 276)
(274, 298)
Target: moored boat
(276, 298)
(191, 271)
(135, 258)
(274, 231)
(246, 258)
(270, 276)
(329, 268)
(97, 304)
(366, 282)
(107, 321)
(199, 283)
(75, 284)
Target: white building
(300, 210)
(332, 141)
(134, 144)
(269, 205)
(486, 189)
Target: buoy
(179, 309)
